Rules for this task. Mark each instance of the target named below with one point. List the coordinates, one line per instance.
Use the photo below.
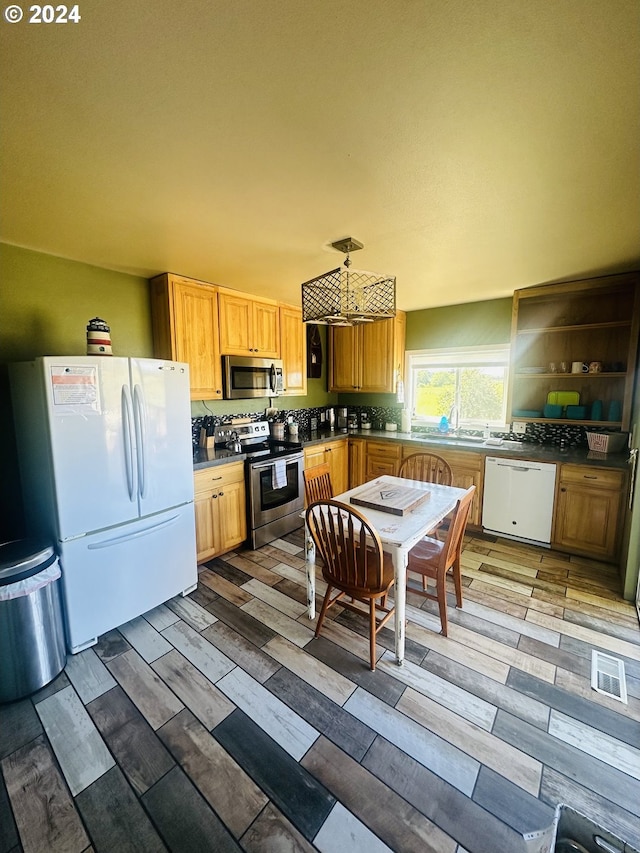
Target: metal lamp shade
(345, 297)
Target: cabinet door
(293, 350)
(232, 515)
(195, 311)
(588, 511)
(220, 509)
(265, 334)
(377, 368)
(337, 457)
(367, 357)
(344, 358)
(357, 453)
(235, 324)
(184, 315)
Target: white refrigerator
(106, 465)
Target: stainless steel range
(275, 488)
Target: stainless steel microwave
(245, 377)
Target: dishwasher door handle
(518, 467)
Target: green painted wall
(46, 302)
(473, 324)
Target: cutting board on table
(563, 398)
(397, 500)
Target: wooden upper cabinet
(343, 358)
(293, 350)
(368, 357)
(248, 326)
(185, 328)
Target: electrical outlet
(519, 427)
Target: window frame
(486, 355)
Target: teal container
(615, 411)
(596, 410)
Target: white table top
(401, 530)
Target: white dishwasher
(518, 498)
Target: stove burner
(254, 440)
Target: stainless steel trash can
(32, 643)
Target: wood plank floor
(218, 722)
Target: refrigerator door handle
(127, 425)
(141, 431)
(118, 540)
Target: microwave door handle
(274, 378)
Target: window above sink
(468, 383)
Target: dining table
(425, 505)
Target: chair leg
(323, 611)
(457, 580)
(441, 592)
(372, 633)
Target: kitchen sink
(447, 439)
(466, 441)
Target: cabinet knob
(221, 493)
(213, 497)
(563, 489)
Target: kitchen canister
(98, 337)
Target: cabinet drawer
(207, 479)
(384, 450)
(379, 467)
(603, 478)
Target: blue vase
(596, 410)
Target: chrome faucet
(454, 419)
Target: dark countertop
(518, 450)
(209, 458)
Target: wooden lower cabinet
(357, 455)
(467, 469)
(336, 455)
(382, 457)
(220, 509)
(588, 511)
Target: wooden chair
(433, 559)
(317, 483)
(353, 563)
(429, 468)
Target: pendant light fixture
(346, 297)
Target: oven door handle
(265, 463)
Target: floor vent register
(607, 676)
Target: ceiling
(473, 146)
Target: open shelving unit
(589, 320)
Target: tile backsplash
(559, 434)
